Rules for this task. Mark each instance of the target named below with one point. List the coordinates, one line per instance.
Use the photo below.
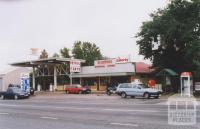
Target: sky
(54, 24)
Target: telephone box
(186, 84)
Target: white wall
(1, 84)
(13, 77)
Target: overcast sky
(54, 24)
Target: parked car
(14, 93)
(31, 92)
(133, 90)
(77, 89)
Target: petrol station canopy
(52, 61)
(47, 62)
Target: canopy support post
(55, 77)
(33, 78)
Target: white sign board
(25, 83)
(111, 62)
(75, 66)
(104, 63)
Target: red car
(77, 89)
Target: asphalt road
(86, 112)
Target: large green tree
(87, 51)
(65, 52)
(171, 39)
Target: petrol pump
(186, 84)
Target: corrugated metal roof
(53, 60)
(117, 70)
(142, 67)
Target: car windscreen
(142, 86)
(17, 90)
(125, 85)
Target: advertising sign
(111, 62)
(122, 60)
(75, 66)
(104, 63)
(25, 84)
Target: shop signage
(104, 63)
(25, 85)
(111, 62)
(120, 60)
(75, 66)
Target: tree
(87, 51)
(55, 55)
(44, 54)
(171, 39)
(65, 52)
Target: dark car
(14, 93)
(77, 89)
(31, 92)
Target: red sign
(111, 62)
(104, 63)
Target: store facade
(106, 72)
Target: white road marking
(3, 113)
(127, 110)
(124, 124)
(47, 117)
(80, 108)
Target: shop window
(89, 82)
(103, 81)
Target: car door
(9, 94)
(129, 89)
(139, 90)
(132, 90)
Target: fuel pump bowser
(186, 84)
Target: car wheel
(108, 93)
(146, 95)
(16, 97)
(80, 92)
(2, 97)
(89, 91)
(157, 97)
(123, 95)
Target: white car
(131, 89)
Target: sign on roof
(122, 60)
(75, 66)
(104, 63)
(111, 62)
